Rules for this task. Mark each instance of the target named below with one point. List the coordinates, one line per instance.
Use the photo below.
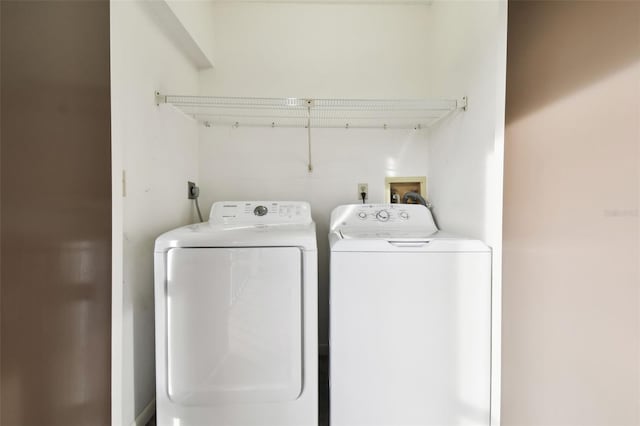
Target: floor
(323, 391)
(323, 394)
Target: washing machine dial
(260, 210)
(382, 215)
(362, 215)
(404, 215)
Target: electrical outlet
(192, 191)
(363, 187)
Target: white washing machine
(236, 318)
(410, 320)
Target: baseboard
(144, 417)
(323, 349)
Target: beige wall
(55, 214)
(571, 331)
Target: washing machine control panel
(260, 212)
(382, 216)
(368, 213)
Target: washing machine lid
(438, 242)
(385, 234)
(247, 224)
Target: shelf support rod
(309, 165)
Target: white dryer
(410, 320)
(236, 318)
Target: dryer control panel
(260, 212)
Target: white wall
(157, 148)
(319, 50)
(314, 50)
(195, 17)
(470, 44)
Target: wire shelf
(316, 113)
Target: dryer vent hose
(414, 196)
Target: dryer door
(234, 325)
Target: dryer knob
(260, 210)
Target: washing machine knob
(362, 215)
(404, 215)
(382, 215)
(260, 210)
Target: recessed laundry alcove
(370, 70)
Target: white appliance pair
(236, 319)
